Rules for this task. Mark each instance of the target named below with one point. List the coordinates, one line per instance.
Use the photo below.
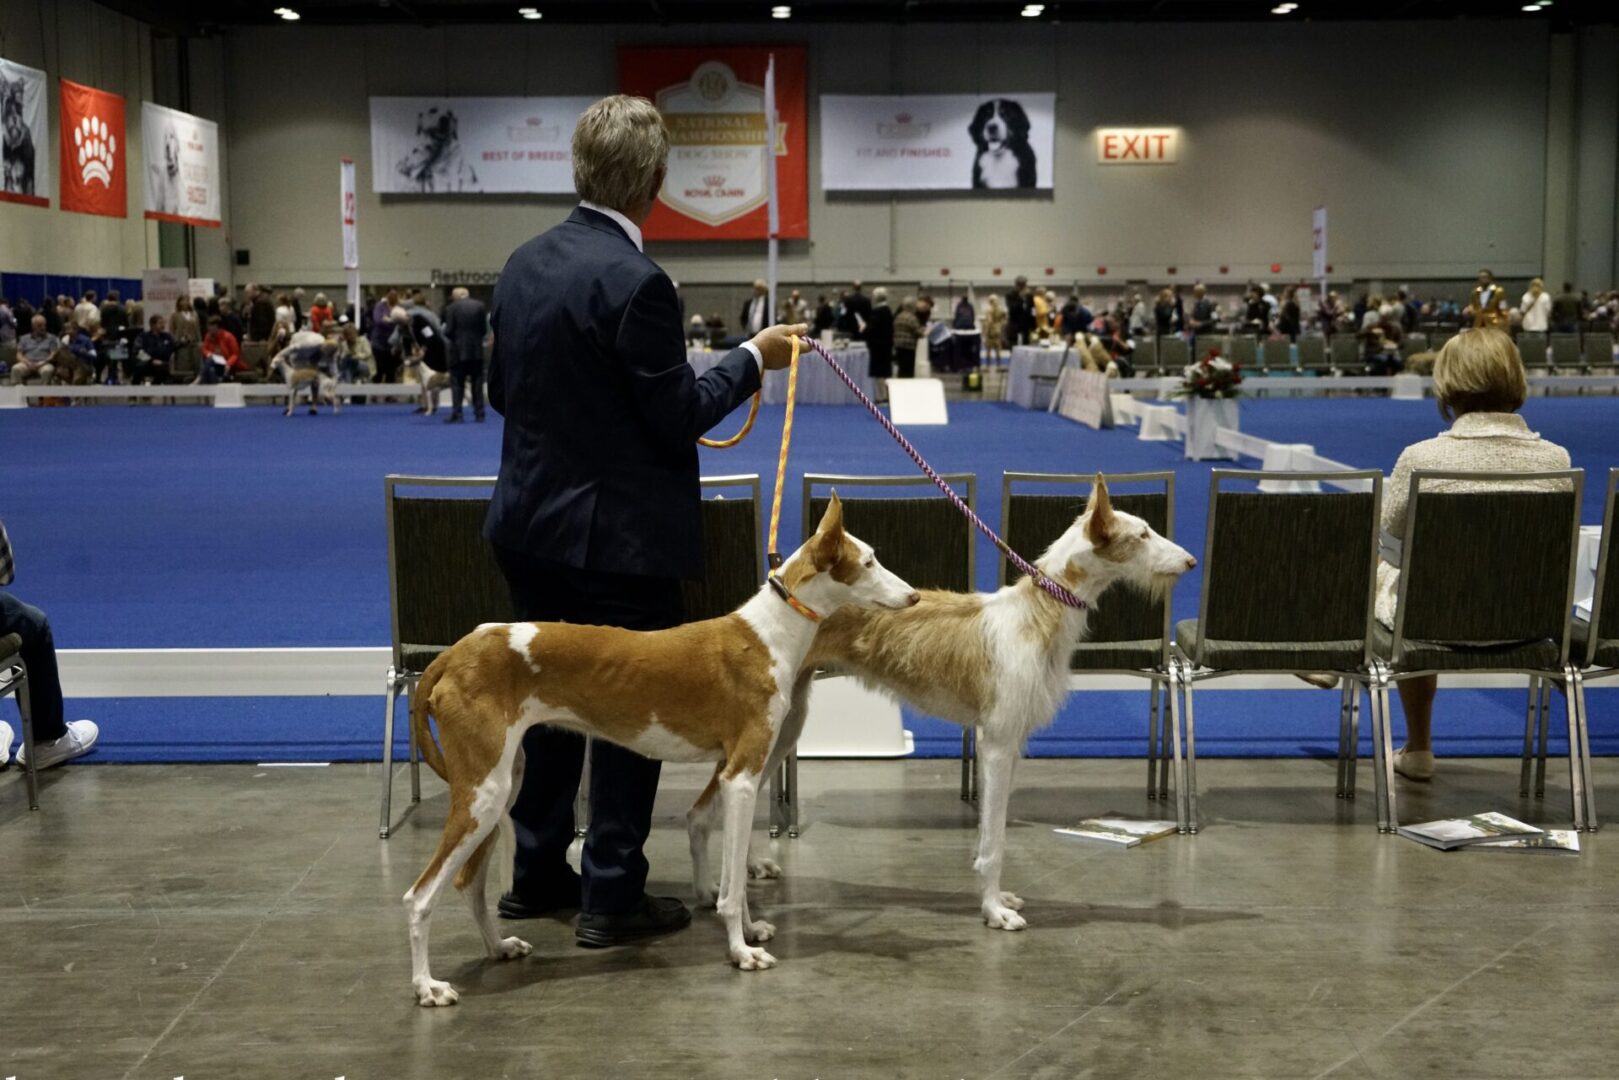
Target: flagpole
(774, 211)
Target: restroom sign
(1137, 146)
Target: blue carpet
(194, 527)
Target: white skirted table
(1028, 361)
(817, 384)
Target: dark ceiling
(202, 16)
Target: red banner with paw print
(93, 156)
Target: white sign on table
(1083, 396)
(162, 287)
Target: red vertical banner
(93, 154)
(713, 101)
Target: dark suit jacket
(598, 461)
(466, 324)
(743, 327)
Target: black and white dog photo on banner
(1000, 131)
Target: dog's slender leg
(699, 825)
(997, 759)
(461, 838)
(473, 877)
(739, 793)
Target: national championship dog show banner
(713, 101)
(24, 154)
(937, 142)
(181, 153)
(94, 156)
(458, 145)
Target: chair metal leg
(1152, 741)
(1352, 766)
(392, 697)
(1343, 735)
(1576, 775)
(969, 764)
(1591, 824)
(1528, 738)
(415, 751)
(1543, 717)
(1193, 823)
(1173, 690)
(581, 799)
(778, 800)
(25, 710)
(1385, 746)
(792, 796)
(1163, 744)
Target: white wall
(88, 44)
(1426, 141)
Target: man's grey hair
(618, 146)
(879, 295)
(459, 293)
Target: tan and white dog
(431, 383)
(998, 660)
(712, 691)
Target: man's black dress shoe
(563, 896)
(653, 916)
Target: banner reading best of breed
(459, 145)
(24, 154)
(94, 156)
(713, 101)
(937, 142)
(181, 152)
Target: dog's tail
(420, 699)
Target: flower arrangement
(1211, 377)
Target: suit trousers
(623, 784)
(460, 373)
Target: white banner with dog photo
(456, 145)
(24, 155)
(181, 152)
(937, 142)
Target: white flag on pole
(351, 236)
(773, 228)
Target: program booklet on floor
(1450, 833)
(1117, 830)
(1550, 842)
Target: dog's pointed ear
(828, 541)
(1099, 527)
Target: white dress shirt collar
(631, 230)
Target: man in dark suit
(466, 324)
(1019, 312)
(857, 312)
(595, 516)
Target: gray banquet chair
(1276, 355)
(1173, 355)
(443, 582)
(923, 539)
(1486, 585)
(14, 682)
(1533, 346)
(1596, 642)
(1313, 354)
(1346, 354)
(1289, 579)
(1598, 353)
(1566, 358)
(1128, 633)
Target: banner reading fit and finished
(93, 155)
(471, 145)
(712, 100)
(937, 142)
(24, 155)
(181, 152)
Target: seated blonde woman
(1479, 380)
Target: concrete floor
(228, 921)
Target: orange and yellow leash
(781, 478)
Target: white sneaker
(80, 740)
(5, 744)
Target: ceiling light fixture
(529, 13)
(1531, 7)
(1033, 11)
(781, 11)
(288, 14)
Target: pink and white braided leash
(1055, 589)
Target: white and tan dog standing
(998, 660)
(712, 691)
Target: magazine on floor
(1550, 842)
(1118, 830)
(1450, 833)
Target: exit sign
(1137, 146)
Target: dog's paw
(760, 930)
(999, 917)
(1012, 900)
(510, 949)
(432, 992)
(764, 868)
(752, 959)
(707, 895)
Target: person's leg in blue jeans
(39, 654)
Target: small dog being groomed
(998, 661)
(711, 691)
